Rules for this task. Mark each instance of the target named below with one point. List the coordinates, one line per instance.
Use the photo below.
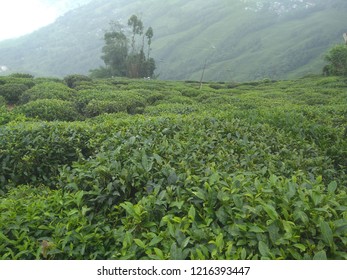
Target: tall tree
(115, 52)
(149, 35)
(337, 59)
(137, 29)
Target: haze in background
(20, 17)
(227, 40)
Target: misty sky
(18, 17)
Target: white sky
(19, 17)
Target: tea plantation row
(132, 169)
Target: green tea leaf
(177, 204)
(146, 164)
(243, 254)
(140, 243)
(155, 241)
(176, 253)
(237, 200)
(191, 213)
(220, 241)
(159, 253)
(256, 229)
(295, 254)
(321, 255)
(340, 227)
(200, 254)
(274, 234)
(317, 197)
(172, 179)
(301, 247)
(327, 233)
(222, 215)
(158, 158)
(288, 227)
(263, 249)
(291, 190)
(129, 208)
(271, 211)
(200, 194)
(300, 215)
(214, 178)
(79, 196)
(332, 187)
(185, 242)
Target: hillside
(239, 40)
(144, 169)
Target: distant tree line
(124, 56)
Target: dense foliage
(145, 169)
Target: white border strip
(98, 270)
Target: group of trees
(126, 57)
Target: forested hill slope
(238, 40)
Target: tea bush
(174, 98)
(5, 115)
(98, 107)
(29, 81)
(2, 101)
(190, 92)
(94, 86)
(171, 108)
(22, 75)
(51, 224)
(48, 90)
(74, 81)
(8, 115)
(50, 110)
(92, 103)
(32, 153)
(154, 97)
(40, 80)
(12, 92)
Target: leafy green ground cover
(138, 169)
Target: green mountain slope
(238, 40)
